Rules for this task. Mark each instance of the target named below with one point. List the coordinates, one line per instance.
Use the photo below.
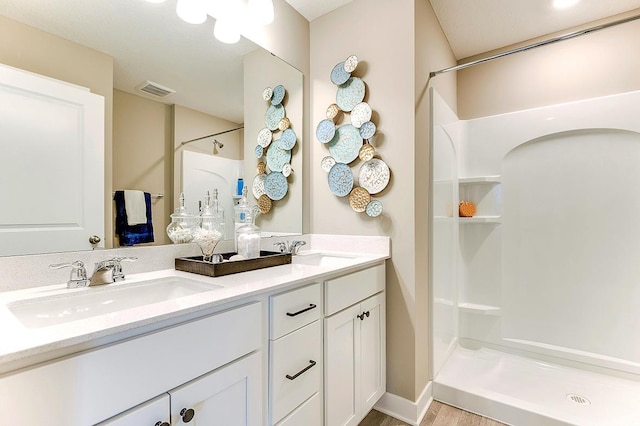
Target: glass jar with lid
(248, 238)
(183, 224)
(210, 231)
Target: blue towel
(134, 234)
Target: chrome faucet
(105, 272)
(290, 246)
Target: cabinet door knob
(311, 306)
(362, 315)
(187, 414)
(162, 424)
(311, 364)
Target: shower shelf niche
(479, 179)
(481, 219)
(475, 308)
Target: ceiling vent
(155, 89)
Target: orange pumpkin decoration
(466, 209)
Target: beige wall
(261, 70)
(398, 43)
(597, 64)
(141, 138)
(34, 50)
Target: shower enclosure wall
(536, 299)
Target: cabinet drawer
(308, 414)
(345, 291)
(294, 309)
(295, 369)
(149, 413)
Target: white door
(151, 413)
(372, 351)
(51, 164)
(229, 396)
(341, 392)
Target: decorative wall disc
(339, 75)
(327, 163)
(264, 137)
(288, 139)
(374, 175)
(367, 152)
(267, 93)
(261, 168)
(272, 117)
(332, 111)
(258, 185)
(277, 157)
(325, 131)
(278, 95)
(345, 145)
(350, 94)
(367, 130)
(286, 170)
(374, 208)
(351, 63)
(264, 204)
(276, 186)
(358, 199)
(259, 150)
(284, 124)
(340, 179)
(360, 114)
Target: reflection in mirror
(112, 47)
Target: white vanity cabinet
(295, 357)
(354, 345)
(151, 413)
(210, 362)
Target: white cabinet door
(355, 370)
(229, 396)
(151, 413)
(53, 129)
(342, 341)
(372, 351)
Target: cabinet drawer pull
(187, 414)
(362, 315)
(311, 364)
(311, 306)
(162, 424)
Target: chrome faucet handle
(116, 265)
(78, 275)
(294, 247)
(282, 246)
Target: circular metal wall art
(284, 124)
(264, 137)
(351, 63)
(286, 170)
(339, 75)
(346, 144)
(374, 208)
(332, 111)
(288, 139)
(327, 163)
(325, 131)
(340, 179)
(258, 185)
(359, 198)
(374, 175)
(278, 95)
(360, 114)
(350, 94)
(264, 204)
(272, 117)
(261, 168)
(367, 152)
(276, 186)
(259, 150)
(267, 93)
(277, 157)
(367, 130)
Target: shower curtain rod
(535, 45)
(215, 134)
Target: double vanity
(298, 344)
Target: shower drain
(578, 399)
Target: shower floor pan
(526, 392)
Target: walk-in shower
(536, 299)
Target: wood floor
(439, 414)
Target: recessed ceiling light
(564, 4)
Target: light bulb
(226, 31)
(192, 11)
(261, 11)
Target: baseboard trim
(405, 410)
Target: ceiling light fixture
(564, 4)
(230, 15)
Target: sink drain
(578, 399)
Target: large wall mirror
(113, 47)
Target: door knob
(94, 239)
(187, 414)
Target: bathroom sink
(322, 259)
(95, 301)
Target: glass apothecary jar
(248, 239)
(183, 224)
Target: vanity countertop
(20, 343)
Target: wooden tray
(196, 265)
